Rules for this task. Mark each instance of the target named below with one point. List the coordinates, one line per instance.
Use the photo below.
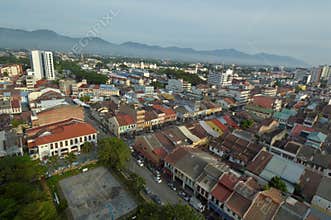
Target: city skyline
(252, 27)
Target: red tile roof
(224, 187)
(299, 128)
(259, 163)
(167, 111)
(124, 119)
(219, 124)
(263, 101)
(63, 132)
(230, 122)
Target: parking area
(96, 194)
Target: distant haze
(298, 28)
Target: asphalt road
(161, 189)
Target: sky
(297, 28)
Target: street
(161, 189)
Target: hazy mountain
(46, 39)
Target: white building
(42, 64)
(220, 78)
(59, 138)
(178, 85)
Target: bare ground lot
(96, 194)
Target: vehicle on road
(184, 196)
(156, 199)
(196, 204)
(131, 148)
(147, 191)
(157, 179)
(140, 163)
(172, 186)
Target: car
(184, 196)
(157, 179)
(147, 191)
(156, 199)
(172, 186)
(140, 163)
(75, 163)
(157, 173)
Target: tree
(151, 211)
(137, 182)
(87, 147)
(53, 161)
(278, 183)
(37, 210)
(85, 98)
(16, 122)
(71, 157)
(113, 152)
(20, 190)
(247, 123)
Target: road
(161, 189)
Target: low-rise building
(59, 139)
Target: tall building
(316, 73)
(220, 78)
(42, 64)
(326, 72)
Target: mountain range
(50, 40)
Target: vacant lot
(96, 194)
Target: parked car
(140, 163)
(195, 203)
(172, 186)
(157, 179)
(156, 199)
(184, 196)
(147, 191)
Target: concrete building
(59, 138)
(178, 85)
(220, 78)
(42, 64)
(10, 144)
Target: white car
(157, 179)
(140, 163)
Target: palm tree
(53, 162)
(71, 157)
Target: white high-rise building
(42, 65)
(220, 78)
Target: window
(61, 144)
(85, 138)
(71, 142)
(89, 137)
(56, 145)
(81, 139)
(76, 140)
(66, 143)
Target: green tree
(278, 183)
(37, 210)
(151, 211)
(85, 98)
(137, 182)
(53, 161)
(16, 122)
(247, 123)
(87, 147)
(20, 190)
(113, 152)
(70, 158)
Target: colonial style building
(59, 138)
